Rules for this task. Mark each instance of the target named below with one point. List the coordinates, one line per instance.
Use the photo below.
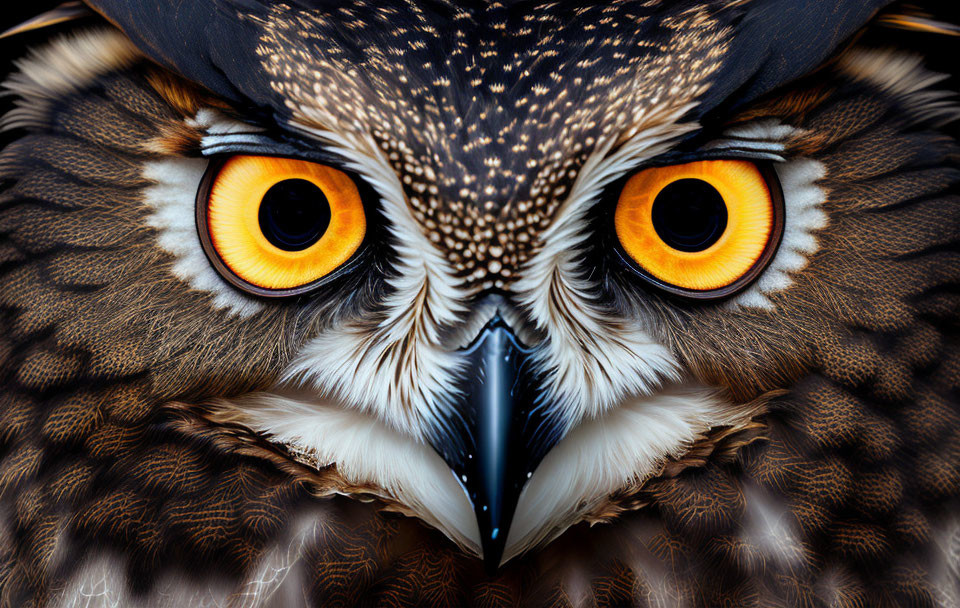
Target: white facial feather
(215, 123)
(802, 199)
(623, 445)
(770, 131)
(173, 196)
(803, 217)
(221, 132)
(626, 444)
(366, 452)
(397, 370)
(596, 360)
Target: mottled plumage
(169, 439)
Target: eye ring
(769, 175)
(209, 249)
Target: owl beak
(503, 433)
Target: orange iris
(280, 223)
(699, 226)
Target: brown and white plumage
(167, 438)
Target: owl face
(504, 268)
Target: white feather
(596, 360)
(68, 63)
(277, 579)
(904, 76)
(769, 130)
(945, 572)
(803, 198)
(398, 370)
(214, 122)
(769, 526)
(366, 452)
(626, 444)
(172, 196)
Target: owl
(479, 303)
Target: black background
(942, 52)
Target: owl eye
(277, 226)
(702, 230)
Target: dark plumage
(133, 466)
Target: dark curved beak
(502, 434)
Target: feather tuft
(919, 22)
(68, 11)
(67, 64)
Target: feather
(68, 11)
(919, 22)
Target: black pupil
(294, 214)
(689, 215)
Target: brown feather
(68, 11)
(919, 23)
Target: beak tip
(493, 546)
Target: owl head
(504, 267)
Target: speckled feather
(858, 462)
(487, 112)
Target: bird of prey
(480, 302)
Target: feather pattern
(153, 445)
